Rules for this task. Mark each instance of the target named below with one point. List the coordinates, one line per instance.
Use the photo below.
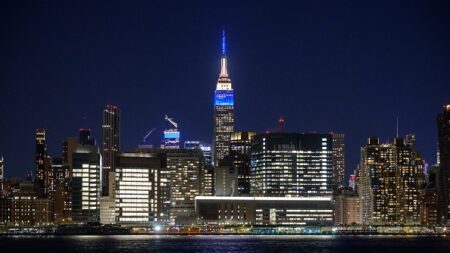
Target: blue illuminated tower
(223, 109)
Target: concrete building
(346, 208)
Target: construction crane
(171, 121)
(144, 140)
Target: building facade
(86, 184)
(291, 164)
(111, 142)
(240, 145)
(137, 189)
(389, 183)
(264, 211)
(346, 208)
(223, 110)
(338, 160)
(443, 126)
(43, 162)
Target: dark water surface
(144, 243)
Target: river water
(228, 243)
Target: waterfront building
(5, 210)
(443, 127)
(338, 160)
(137, 189)
(346, 208)
(389, 183)
(111, 142)
(429, 198)
(182, 175)
(240, 145)
(223, 109)
(28, 208)
(86, 182)
(291, 164)
(60, 192)
(266, 211)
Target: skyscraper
(388, 183)
(223, 109)
(291, 164)
(443, 125)
(240, 145)
(86, 181)
(43, 162)
(111, 141)
(338, 160)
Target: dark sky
(345, 66)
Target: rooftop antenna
(397, 127)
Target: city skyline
(415, 98)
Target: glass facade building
(291, 164)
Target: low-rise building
(279, 211)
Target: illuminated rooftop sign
(171, 135)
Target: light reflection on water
(224, 243)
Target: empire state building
(223, 109)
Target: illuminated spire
(223, 59)
(224, 45)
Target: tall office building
(111, 141)
(171, 138)
(137, 189)
(338, 160)
(86, 182)
(291, 164)
(240, 145)
(223, 109)
(388, 183)
(443, 125)
(43, 162)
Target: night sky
(344, 66)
